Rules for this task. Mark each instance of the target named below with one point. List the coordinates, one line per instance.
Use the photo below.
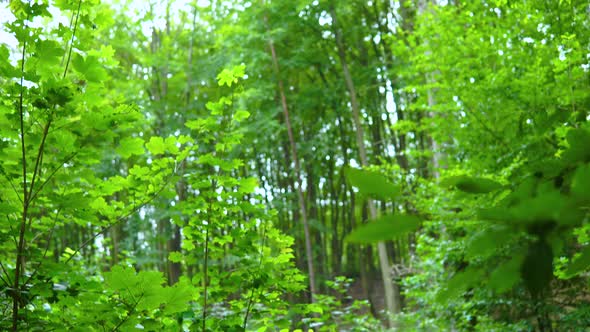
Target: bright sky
(5, 17)
(140, 7)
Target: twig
(28, 200)
(20, 244)
(49, 236)
(52, 174)
(129, 313)
(12, 185)
(7, 282)
(206, 263)
(251, 299)
(118, 220)
(72, 39)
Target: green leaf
(579, 141)
(6, 208)
(472, 185)
(486, 242)
(130, 146)
(581, 182)
(156, 145)
(546, 207)
(248, 185)
(231, 76)
(384, 228)
(579, 264)
(175, 257)
(315, 307)
(372, 184)
(171, 145)
(49, 53)
(90, 67)
(507, 275)
(241, 115)
(459, 283)
(101, 206)
(176, 299)
(119, 277)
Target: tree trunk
(301, 198)
(392, 298)
(436, 156)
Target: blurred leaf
(472, 185)
(130, 146)
(386, 227)
(7, 208)
(175, 257)
(546, 207)
(579, 141)
(156, 145)
(90, 67)
(372, 184)
(579, 264)
(581, 182)
(507, 275)
(248, 185)
(459, 283)
(488, 241)
(241, 115)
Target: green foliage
(372, 184)
(516, 121)
(147, 180)
(472, 185)
(579, 264)
(386, 227)
(86, 170)
(339, 312)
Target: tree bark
(297, 169)
(392, 301)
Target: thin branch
(53, 174)
(206, 262)
(49, 236)
(118, 220)
(21, 240)
(7, 282)
(487, 128)
(38, 161)
(248, 308)
(71, 25)
(12, 185)
(22, 119)
(129, 313)
(72, 39)
(251, 299)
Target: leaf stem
(72, 39)
(23, 225)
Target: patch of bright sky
(135, 10)
(6, 17)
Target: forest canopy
(294, 165)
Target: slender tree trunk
(392, 301)
(436, 156)
(301, 198)
(175, 242)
